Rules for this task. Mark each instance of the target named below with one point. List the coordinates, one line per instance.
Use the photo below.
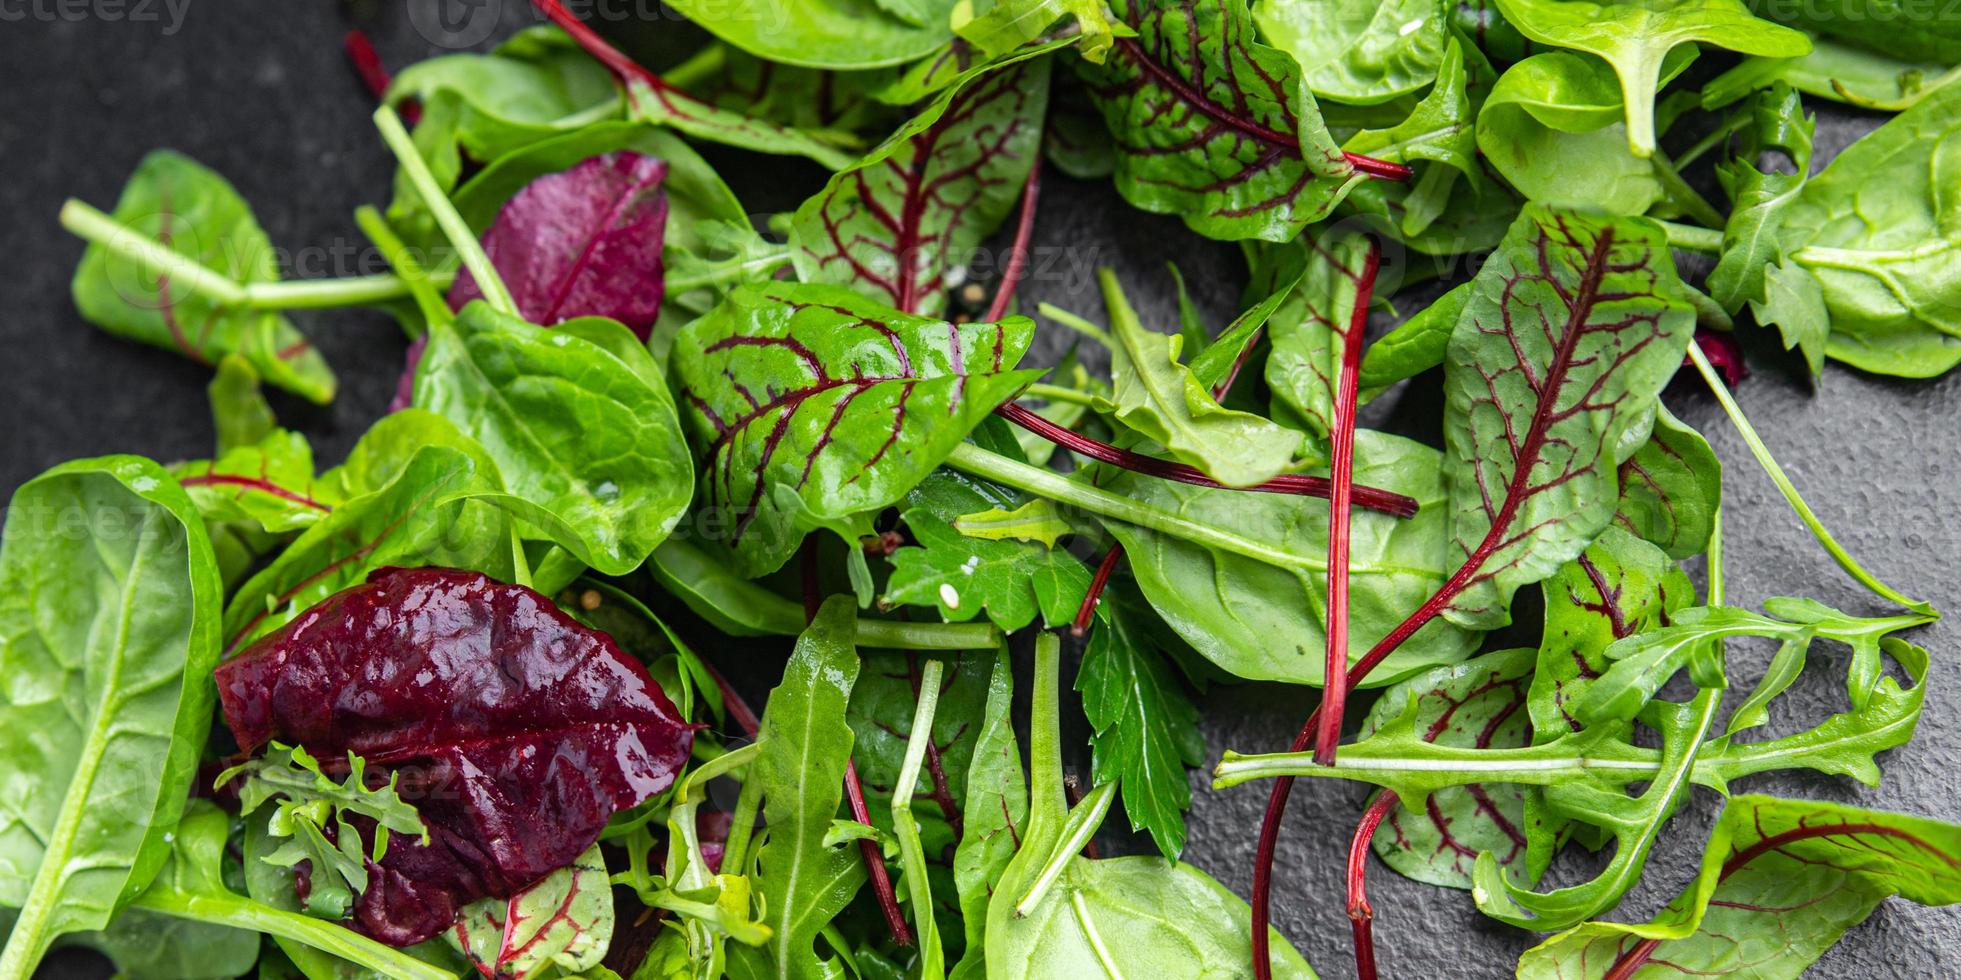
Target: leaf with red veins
(1671, 488)
(1780, 882)
(563, 921)
(1214, 126)
(899, 225)
(582, 242)
(1309, 330)
(809, 403)
(514, 731)
(268, 484)
(1571, 330)
(1477, 704)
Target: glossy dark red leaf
(582, 242)
(516, 732)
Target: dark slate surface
(261, 92)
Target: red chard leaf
(582, 242)
(515, 732)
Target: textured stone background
(261, 92)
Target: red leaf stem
(1017, 266)
(1096, 586)
(367, 64)
(1361, 915)
(1393, 504)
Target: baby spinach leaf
(1874, 236)
(240, 413)
(962, 576)
(1213, 126)
(582, 430)
(900, 225)
(1750, 238)
(835, 34)
(1417, 345)
(1156, 395)
(1574, 326)
(581, 242)
(561, 923)
(840, 403)
(1552, 126)
(1671, 488)
(1439, 128)
(1000, 26)
(1635, 37)
(178, 204)
(1144, 730)
(992, 820)
(109, 613)
(1356, 51)
(804, 877)
(1781, 881)
(1869, 80)
(1478, 704)
(1876, 25)
(1264, 622)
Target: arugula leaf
(1781, 881)
(109, 603)
(1885, 275)
(1575, 325)
(576, 418)
(900, 224)
(1357, 51)
(1010, 580)
(561, 923)
(1671, 488)
(1635, 38)
(1213, 126)
(186, 209)
(1475, 704)
(840, 404)
(1750, 238)
(1144, 730)
(1264, 622)
(803, 877)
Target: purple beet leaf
(582, 242)
(515, 731)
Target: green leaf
(992, 820)
(558, 926)
(1671, 488)
(1878, 232)
(900, 225)
(1475, 704)
(1416, 345)
(1156, 395)
(1439, 128)
(881, 715)
(1750, 238)
(239, 411)
(841, 403)
(576, 418)
(962, 576)
(1635, 37)
(1781, 881)
(1144, 730)
(1357, 51)
(1876, 26)
(1308, 333)
(193, 212)
(1213, 126)
(804, 880)
(1886, 80)
(1264, 622)
(1573, 328)
(917, 879)
(1003, 25)
(109, 615)
(267, 485)
(1552, 126)
(836, 34)
(1038, 521)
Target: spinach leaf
(1781, 881)
(1671, 488)
(1264, 622)
(809, 403)
(1876, 25)
(1213, 126)
(811, 99)
(1574, 326)
(1144, 730)
(963, 576)
(1158, 397)
(834, 34)
(1552, 126)
(239, 412)
(177, 206)
(992, 820)
(109, 614)
(1869, 80)
(1356, 51)
(1635, 38)
(1439, 128)
(804, 877)
(578, 422)
(901, 224)
(562, 923)
(1000, 26)
(1475, 704)
(1871, 240)
(1415, 346)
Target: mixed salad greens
(430, 711)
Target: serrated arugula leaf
(1751, 242)
(900, 224)
(841, 402)
(1144, 730)
(1573, 328)
(1781, 881)
(1213, 126)
(963, 576)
